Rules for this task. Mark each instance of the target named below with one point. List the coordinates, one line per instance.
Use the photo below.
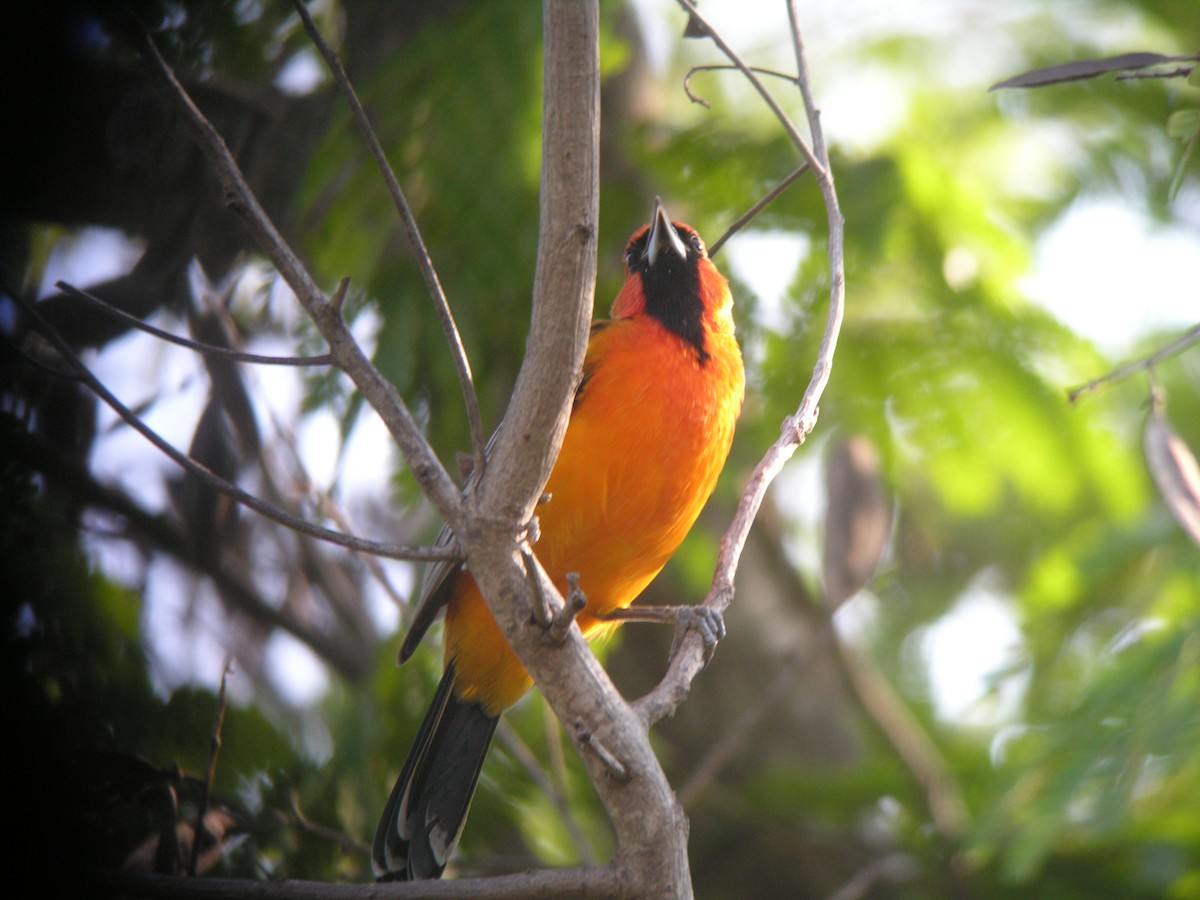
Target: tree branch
(259, 359)
(748, 216)
(491, 518)
(907, 737)
(688, 659)
(433, 284)
(210, 774)
(349, 357)
(602, 882)
(1181, 343)
(651, 831)
(210, 478)
(164, 535)
(719, 67)
(789, 126)
(533, 768)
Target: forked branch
(347, 354)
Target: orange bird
(650, 428)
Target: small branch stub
(543, 612)
(576, 603)
(338, 299)
(616, 769)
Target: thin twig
(36, 362)
(788, 125)
(163, 534)
(554, 747)
(295, 816)
(1181, 343)
(544, 611)
(894, 867)
(424, 262)
(616, 769)
(745, 218)
(803, 82)
(576, 602)
(326, 506)
(348, 355)
(806, 415)
(210, 773)
(910, 741)
(210, 478)
(689, 660)
(716, 67)
(323, 359)
(337, 515)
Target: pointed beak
(662, 234)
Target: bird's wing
(438, 583)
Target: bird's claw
(709, 624)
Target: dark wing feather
(435, 594)
(425, 813)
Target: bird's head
(670, 277)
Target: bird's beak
(662, 234)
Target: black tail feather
(424, 816)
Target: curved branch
(718, 67)
(1181, 343)
(688, 658)
(651, 829)
(323, 359)
(462, 365)
(326, 315)
(215, 481)
(788, 125)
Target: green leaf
(1183, 124)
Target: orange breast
(641, 455)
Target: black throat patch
(672, 290)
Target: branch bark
(651, 829)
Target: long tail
(424, 816)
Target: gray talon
(708, 623)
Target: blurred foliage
(1080, 776)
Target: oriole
(650, 429)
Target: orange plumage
(649, 432)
